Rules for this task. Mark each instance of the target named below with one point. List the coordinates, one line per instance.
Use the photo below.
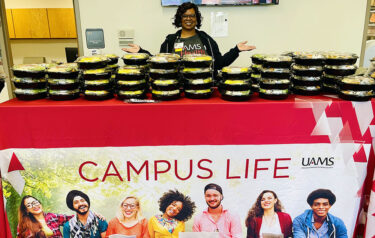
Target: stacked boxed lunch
(63, 82)
(307, 73)
(337, 66)
(164, 77)
(275, 80)
(131, 79)
(30, 81)
(197, 76)
(236, 84)
(97, 83)
(256, 66)
(356, 88)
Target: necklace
(269, 221)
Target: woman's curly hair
(257, 211)
(188, 206)
(182, 9)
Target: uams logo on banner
(318, 162)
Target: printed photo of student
(317, 222)
(34, 222)
(176, 208)
(129, 220)
(85, 223)
(266, 219)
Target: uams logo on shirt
(318, 162)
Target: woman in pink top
(129, 221)
(266, 217)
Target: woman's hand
(132, 49)
(243, 47)
(100, 216)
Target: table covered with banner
(113, 149)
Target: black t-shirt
(190, 45)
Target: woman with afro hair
(176, 208)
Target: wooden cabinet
(10, 23)
(31, 23)
(62, 22)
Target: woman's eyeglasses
(185, 16)
(131, 206)
(32, 204)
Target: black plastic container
(165, 84)
(135, 59)
(275, 73)
(277, 61)
(274, 83)
(357, 83)
(166, 95)
(164, 61)
(198, 94)
(127, 94)
(198, 84)
(333, 58)
(92, 62)
(96, 74)
(356, 95)
(236, 96)
(30, 94)
(63, 84)
(30, 83)
(306, 81)
(342, 70)
(196, 73)
(63, 71)
(35, 71)
(131, 85)
(130, 73)
(307, 71)
(258, 58)
(164, 73)
(63, 95)
(274, 94)
(97, 85)
(197, 61)
(235, 85)
(307, 90)
(98, 95)
(235, 73)
(309, 59)
(112, 59)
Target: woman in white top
(265, 218)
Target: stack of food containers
(337, 66)
(256, 66)
(30, 81)
(131, 79)
(197, 76)
(96, 77)
(236, 84)
(356, 88)
(164, 77)
(275, 80)
(63, 82)
(307, 73)
(112, 62)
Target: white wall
(291, 25)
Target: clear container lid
(63, 92)
(196, 70)
(359, 80)
(165, 82)
(304, 78)
(308, 88)
(256, 76)
(166, 93)
(199, 91)
(132, 70)
(197, 58)
(112, 66)
(112, 56)
(131, 93)
(136, 56)
(235, 70)
(275, 70)
(358, 93)
(278, 58)
(200, 81)
(237, 93)
(62, 81)
(332, 76)
(309, 55)
(96, 82)
(342, 67)
(256, 66)
(163, 71)
(235, 82)
(274, 91)
(28, 80)
(96, 92)
(64, 68)
(274, 81)
(338, 55)
(92, 59)
(165, 58)
(258, 56)
(305, 68)
(133, 82)
(30, 67)
(96, 71)
(30, 91)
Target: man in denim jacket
(317, 222)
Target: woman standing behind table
(266, 217)
(33, 222)
(129, 220)
(177, 208)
